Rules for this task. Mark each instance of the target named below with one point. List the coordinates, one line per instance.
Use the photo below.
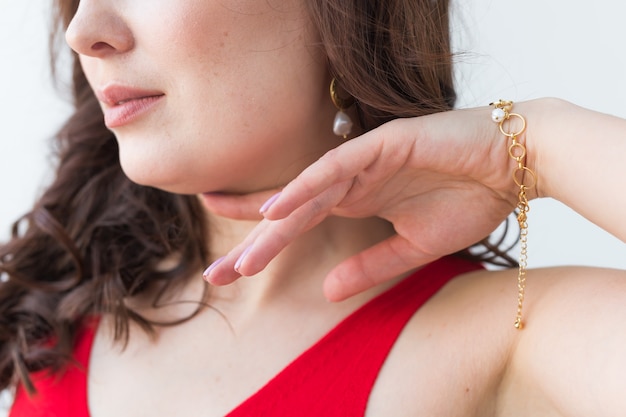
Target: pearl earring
(342, 126)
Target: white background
(511, 49)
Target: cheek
(245, 100)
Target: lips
(123, 105)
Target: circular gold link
(513, 134)
(517, 151)
(522, 173)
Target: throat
(298, 272)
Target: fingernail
(266, 206)
(242, 257)
(211, 267)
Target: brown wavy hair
(94, 238)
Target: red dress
(333, 377)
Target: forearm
(578, 155)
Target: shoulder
(453, 351)
(572, 348)
(461, 349)
(567, 297)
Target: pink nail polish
(269, 202)
(211, 267)
(242, 257)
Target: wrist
(544, 139)
(512, 125)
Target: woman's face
(207, 95)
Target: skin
(231, 124)
(229, 88)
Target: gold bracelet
(502, 113)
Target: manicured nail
(211, 267)
(266, 206)
(242, 257)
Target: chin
(163, 180)
(182, 175)
(149, 175)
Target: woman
(223, 100)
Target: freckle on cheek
(222, 43)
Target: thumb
(375, 265)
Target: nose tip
(98, 32)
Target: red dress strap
(335, 376)
(63, 395)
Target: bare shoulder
(461, 355)
(579, 296)
(452, 355)
(575, 306)
(571, 352)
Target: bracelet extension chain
(525, 179)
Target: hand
(443, 181)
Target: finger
(375, 265)
(338, 165)
(280, 233)
(268, 238)
(224, 271)
(237, 206)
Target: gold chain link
(517, 151)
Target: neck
(298, 271)
(289, 286)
